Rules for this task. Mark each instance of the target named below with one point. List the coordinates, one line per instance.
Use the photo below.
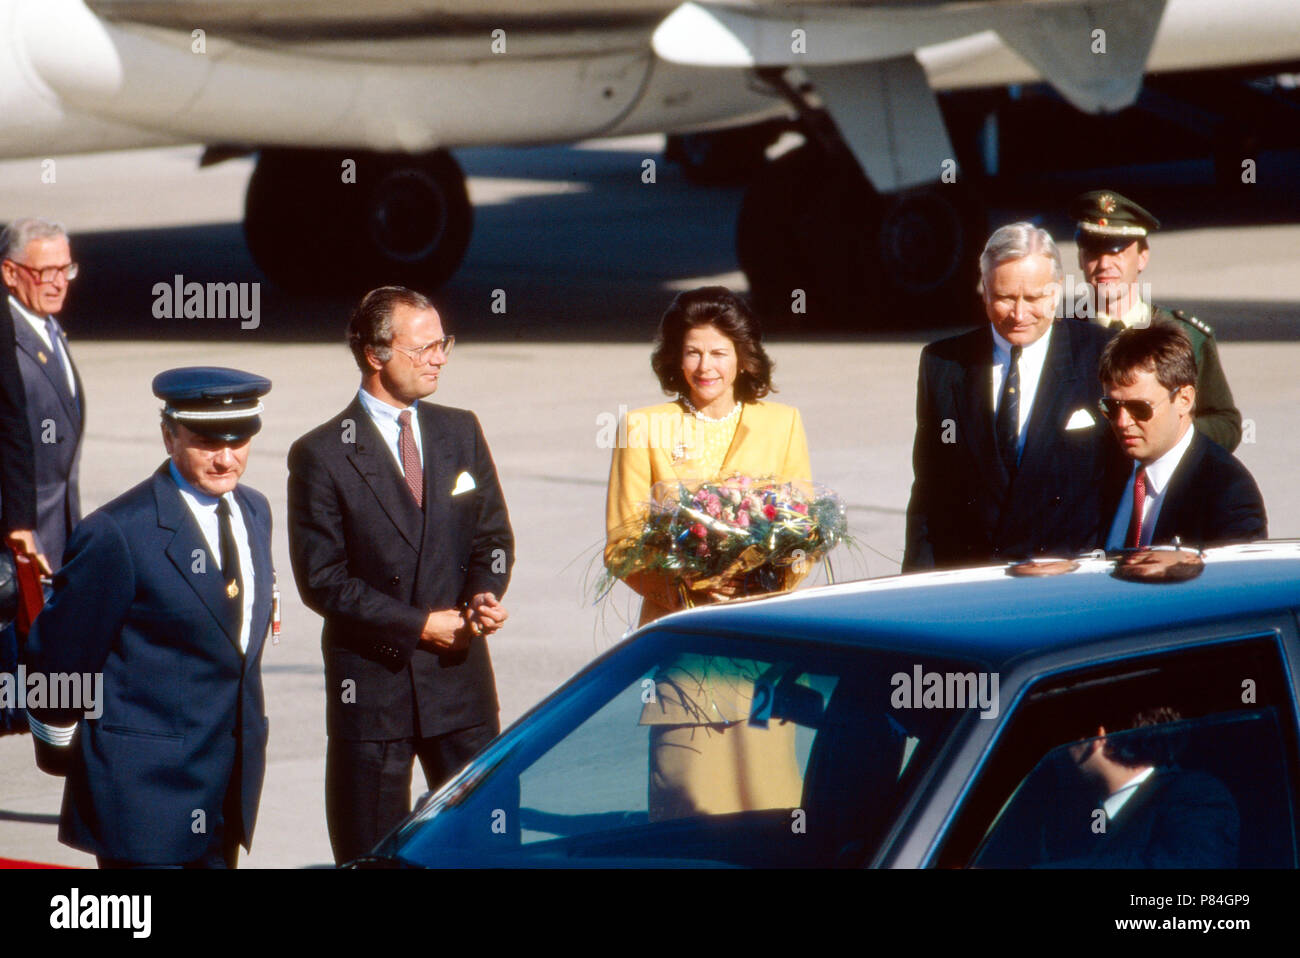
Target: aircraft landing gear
(822, 249)
(310, 223)
(722, 157)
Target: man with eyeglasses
(1111, 233)
(1180, 484)
(37, 268)
(400, 539)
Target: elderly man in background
(1009, 452)
(41, 414)
(37, 268)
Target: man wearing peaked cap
(166, 593)
(1111, 233)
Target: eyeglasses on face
(1140, 409)
(50, 273)
(420, 354)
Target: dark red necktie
(410, 458)
(1139, 499)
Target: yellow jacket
(769, 441)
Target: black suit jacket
(56, 421)
(1212, 499)
(182, 706)
(373, 564)
(965, 509)
(17, 478)
(1175, 819)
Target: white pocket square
(1081, 419)
(464, 483)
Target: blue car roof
(987, 615)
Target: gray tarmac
(588, 256)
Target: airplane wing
(1094, 52)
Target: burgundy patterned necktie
(1139, 498)
(410, 458)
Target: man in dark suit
(1174, 482)
(1009, 453)
(166, 594)
(17, 485)
(37, 268)
(399, 537)
(1156, 814)
(17, 498)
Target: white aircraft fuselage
(407, 76)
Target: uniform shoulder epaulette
(1193, 321)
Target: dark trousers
(368, 784)
(223, 847)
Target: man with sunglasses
(1113, 251)
(1180, 484)
(400, 539)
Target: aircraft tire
(287, 221)
(802, 241)
(816, 237)
(722, 157)
(414, 221)
(350, 222)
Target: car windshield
(681, 749)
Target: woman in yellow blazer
(703, 759)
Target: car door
(1186, 757)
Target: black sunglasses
(1139, 409)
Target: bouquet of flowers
(705, 534)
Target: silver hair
(1016, 241)
(20, 232)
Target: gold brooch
(232, 589)
(41, 356)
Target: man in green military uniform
(1112, 239)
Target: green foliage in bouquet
(707, 533)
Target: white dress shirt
(1032, 358)
(1116, 800)
(204, 509)
(384, 417)
(1158, 475)
(37, 324)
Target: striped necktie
(411, 467)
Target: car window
(700, 736)
(690, 749)
(1042, 796)
(1199, 794)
